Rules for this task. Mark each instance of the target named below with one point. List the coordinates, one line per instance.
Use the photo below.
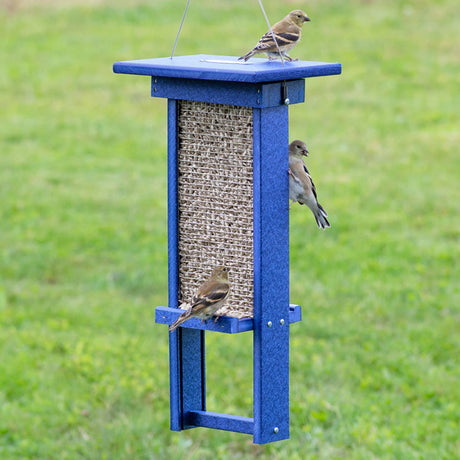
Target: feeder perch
(228, 137)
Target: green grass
(374, 363)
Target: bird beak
(307, 19)
(305, 152)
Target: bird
(301, 186)
(209, 297)
(287, 33)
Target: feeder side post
(186, 346)
(173, 211)
(271, 274)
(175, 387)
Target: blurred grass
(374, 363)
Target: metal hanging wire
(271, 31)
(264, 13)
(180, 28)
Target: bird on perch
(301, 187)
(208, 299)
(287, 33)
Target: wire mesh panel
(215, 200)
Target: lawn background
(83, 262)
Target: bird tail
(247, 56)
(182, 318)
(321, 217)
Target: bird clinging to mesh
(301, 186)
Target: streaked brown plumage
(209, 297)
(287, 32)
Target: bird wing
(285, 36)
(209, 294)
(266, 42)
(300, 171)
(312, 185)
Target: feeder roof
(226, 68)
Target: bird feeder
(228, 136)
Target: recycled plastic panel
(226, 68)
(265, 87)
(226, 324)
(271, 275)
(270, 284)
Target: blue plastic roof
(226, 68)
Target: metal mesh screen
(215, 200)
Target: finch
(209, 297)
(287, 33)
(301, 186)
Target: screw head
(275, 430)
(287, 101)
(269, 324)
(281, 321)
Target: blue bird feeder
(228, 136)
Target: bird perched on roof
(209, 297)
(301, 186)
(287, 33)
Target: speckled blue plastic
(226, 68)
(226, 324)
(267, 87)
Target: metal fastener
(269, 324)
(276, 429)
(281, 321)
